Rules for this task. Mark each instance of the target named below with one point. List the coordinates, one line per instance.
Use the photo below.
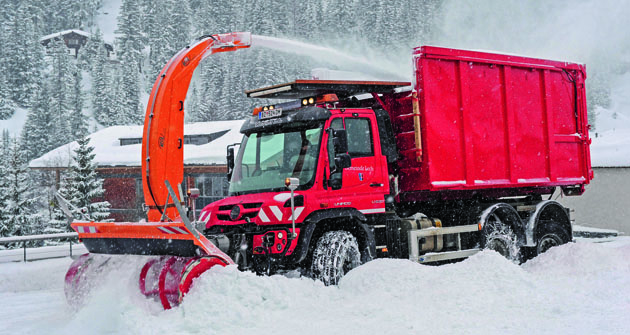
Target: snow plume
(379, 68)
(593, 32)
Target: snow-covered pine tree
(7, 108)
(153, 9)
(36, 137)
(78, 121)
(94, 46)
(61, 88)
(130, 43)
(83, 185)
(129, 110)
(5, 230)
(193, 105)
(25, 54)
(22, 216)
(101, 93)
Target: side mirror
(342, 161)
(340, 141)
(335, 182)
(230, 161)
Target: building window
(212, 187)
(130, 141)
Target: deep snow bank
(583, 287)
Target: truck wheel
(552, 235)
(500, 237)
(336, 253)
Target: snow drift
(583, 287)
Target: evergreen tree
(5, 229)
(24, 57)
(130, 44)
(36, 136)
(7, 108)
(78, 121)
(22, 216)
(129, 111)
(83, 186)
(101, 93)
(61, 89)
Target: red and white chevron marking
(172, 230)
(205, 216)
(87, 230)
(277, 213)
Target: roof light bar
(270, 91)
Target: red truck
(466, 156)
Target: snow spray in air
(379, 69)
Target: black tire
(500, 237)
(336, 253)
(551, 235)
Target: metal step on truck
(465, 156)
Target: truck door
(363, 183)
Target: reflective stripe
(87, 230)
(166, 230)
(207, 217)
(298, 211)
(263, 217)
(373, 210)
(276, 211)
(180, 230)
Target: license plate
(268, 114)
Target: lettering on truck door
(363, 185)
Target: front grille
(252, 205)
(250, 210)
(245, 206)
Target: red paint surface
(494, 121)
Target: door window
(359, 137)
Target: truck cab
(336, 152)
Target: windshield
(265, 159)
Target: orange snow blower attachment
(163, 136)
(184, 253)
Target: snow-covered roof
(109, 152)
(65, 32)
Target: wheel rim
(547, 242)
(499, 246)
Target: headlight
(235, 213)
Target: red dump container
(492, 122)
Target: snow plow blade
(140, 238)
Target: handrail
(41, 237)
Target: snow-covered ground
(582, 287)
